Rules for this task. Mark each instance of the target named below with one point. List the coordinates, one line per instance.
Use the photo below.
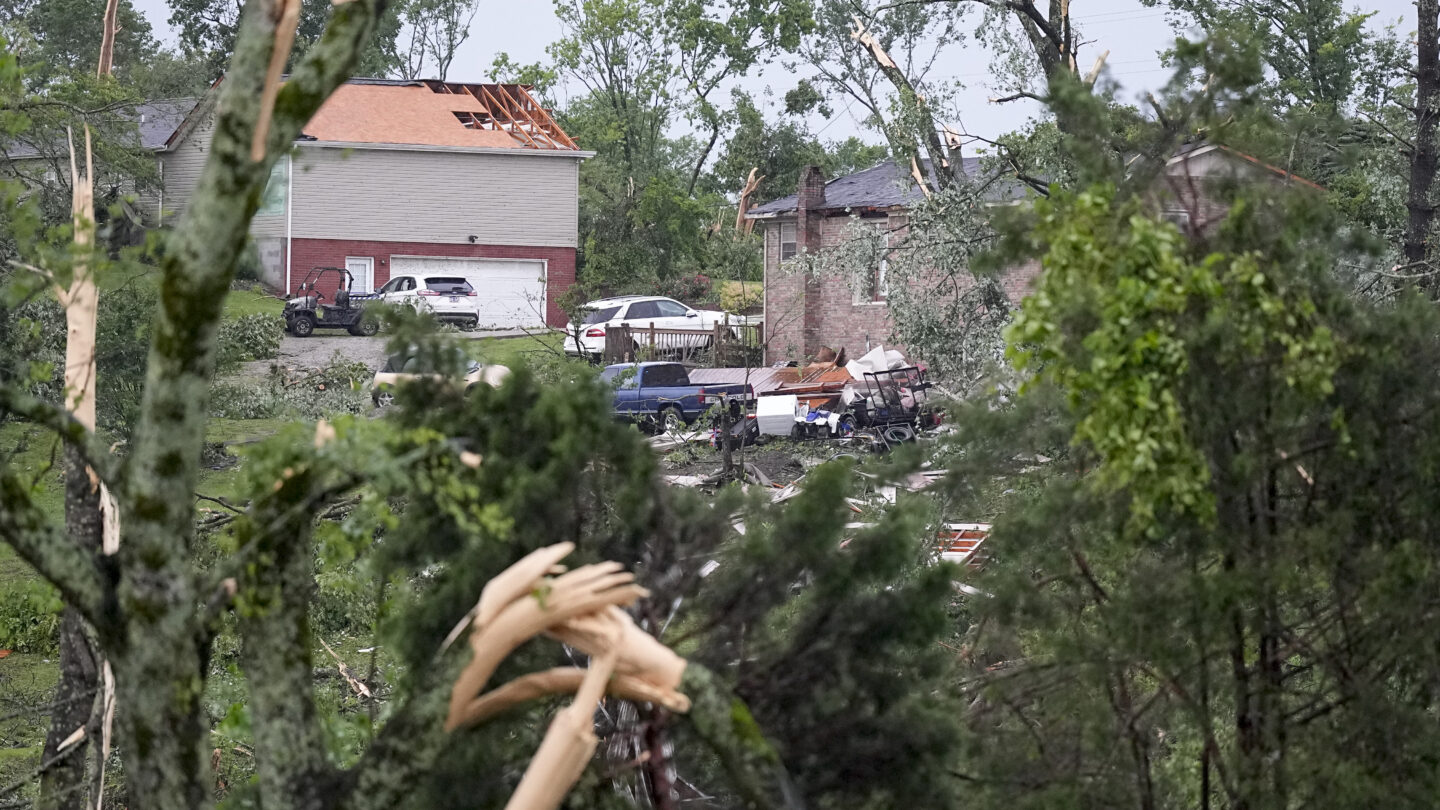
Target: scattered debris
(355, 685)
(775, 415)
(685, 480)
(963, 543)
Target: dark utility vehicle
(305, 313)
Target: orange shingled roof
(407, 114)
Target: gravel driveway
(315, 351)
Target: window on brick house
(877, 286)
(1180, 219)
(787, 241)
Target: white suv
(587, 338)
(451, 298)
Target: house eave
(425, 147)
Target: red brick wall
(804, 314)
(559, 269)
(784, 302)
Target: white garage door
(510, 292)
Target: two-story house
(392, 177)
(804, 313)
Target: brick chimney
(809, 199)
(809, 202)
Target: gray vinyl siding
(147, 198)
(434, 196)
(512, 198)
(182, 166)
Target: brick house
(391, 176)
(803, 314)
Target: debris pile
(872, 403)
(880, 397)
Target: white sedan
(451, 298)
(639, 312)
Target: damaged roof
(425, 112)
(888, 185)
(499, 116)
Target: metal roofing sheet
(762, 380)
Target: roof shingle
(888, 185)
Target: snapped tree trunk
(924, 134)
(1424, 157)
(63, 786)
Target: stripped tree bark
(752, 184)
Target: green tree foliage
(1341, 91)
(60, 39)
(1208, 589)
(208, 29)
(1318, 51)
(650, 213)
(828, 639)
(433, 30)
(779, 151)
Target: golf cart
(305, 313)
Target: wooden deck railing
(726, 345)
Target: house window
(787, 241)
(874, 288)
(1180, 219)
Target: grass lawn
(240, 303)
(511, 351)
(29, 678)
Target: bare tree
(435, 30)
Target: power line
(1108, 14)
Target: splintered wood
(287, 20)
(580, 608)
(752, 185)
(867, 39)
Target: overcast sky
(1131, 32)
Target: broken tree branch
(536, 606)
(564, 680)
(1095, 71)
(1016, 96)
(568, 744)
(928, 133)
(75, 571)
(287, 20)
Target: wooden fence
(724, 346)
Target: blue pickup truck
(663, 392)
